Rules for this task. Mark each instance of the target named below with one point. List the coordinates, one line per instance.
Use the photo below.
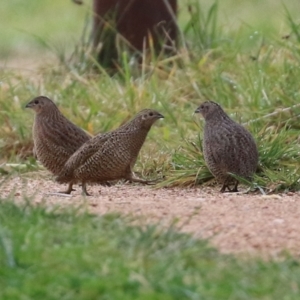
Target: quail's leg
(84, 191)
(226, 185)
(235, 190)
(69, 190)
(223, 189)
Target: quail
(55, 137)
(227, 146)
(110, 156)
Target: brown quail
(227, 146)
(110, 156)
(55, 137)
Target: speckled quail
(55, 137)
(227, 146)
(110, 156)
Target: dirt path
(235, 223)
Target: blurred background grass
(27, 26)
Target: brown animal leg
(69, 190)
(223, 189)
(235, 189)
(84, 191)
(226, 185)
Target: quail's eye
(151, 114)
(36, 102)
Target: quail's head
(147, 117)
(208, 109)
(40, 104)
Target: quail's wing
(219, 146)
(234, 149)
(64, 136)
(114, 151)
(245, 152)
(76, 160)
(73, 136)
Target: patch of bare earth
(234, 223)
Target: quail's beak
(197, 111)
(160, 116)
(28, 105)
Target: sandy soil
(267, 225)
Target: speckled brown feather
(227, 146)
(55, 137)
(112, 155)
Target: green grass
(36, 27)
(67, 254)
